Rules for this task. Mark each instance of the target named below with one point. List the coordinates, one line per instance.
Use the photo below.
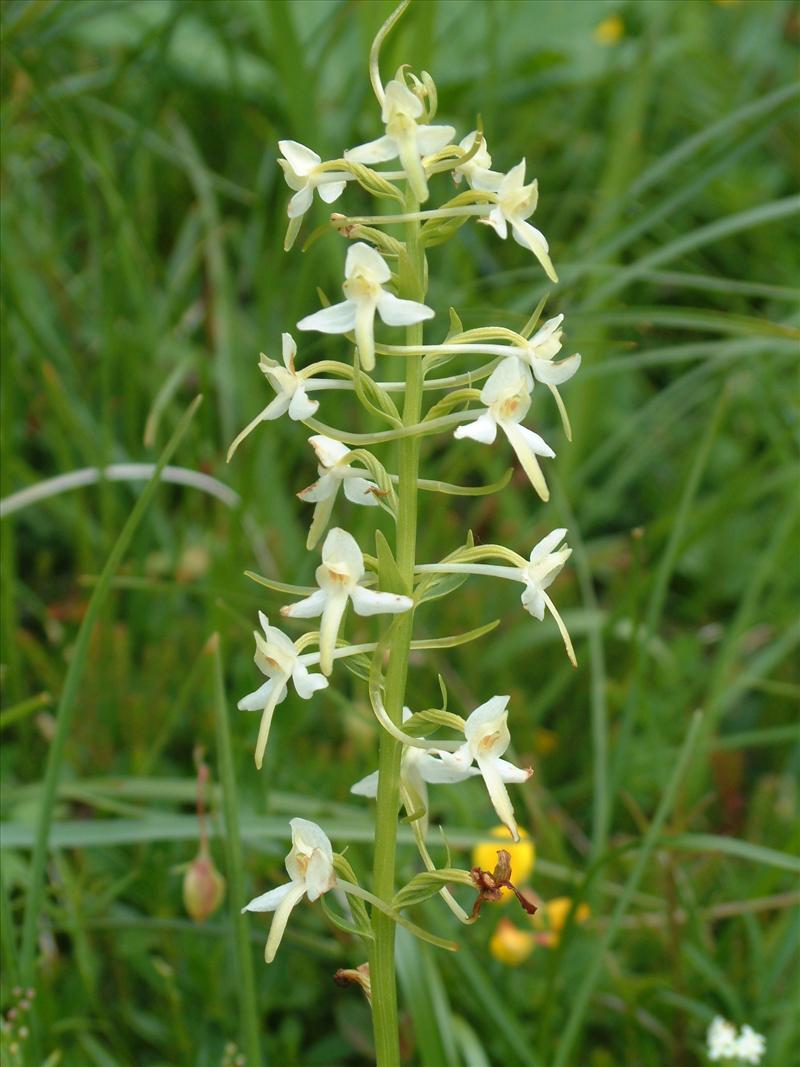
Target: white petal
(483, 179)
(497, 220)
(362, 256)
(330, 191)
(320, 876)
(547, 544)
(308, 836)
(397, 312)
(515, 179)
(368, 602)
(288, 351)
(526, 454)
(378, 151)
(498, 795)
(301, 405)
(326, 487)
(338, 318)
(529, 237)
(508, 379)
(270, 900)
(305, 683)
(431, 139)
(300, 202)
(399, 100)
(301, 159)
(365, 333)
(280, 919)
(533, 601)
(535, 443)
(257, 700)
(278, 694)
(308, 608)
(487, 719)
(360, 491)
(366, 787)
(556, 373)
(545, 331)
(483, 429)
(449, 767)
(341, 552)
(329, 624)
(510, 773)
(329, 452)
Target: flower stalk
(382, 969)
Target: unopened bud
(203, 888)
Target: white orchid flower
(486, 731)
(478, 170)
(506, 395)
(721, 1039)
(291, 387)
(545, 563)
(418, 767)
(310, 869)
(301, 168)
(365, 273)
(750, 1046)
(405, 137)
(277, 657)
(516, 201)
(338, 578)
(333, 473)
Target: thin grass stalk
(68, 702)
(580, 1002)
(248, 1004)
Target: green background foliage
(143, 218)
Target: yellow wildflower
(610, 30)
(510, 945)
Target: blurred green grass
(142, 224)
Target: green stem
(382, 965)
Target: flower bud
(203, 887)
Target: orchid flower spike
(405, 137)
(506, 395)
(418, 767)
(365, 273)
(304, 173)
(310, 869)
(277, 657)
(486, 731)
(338, 578)
(291, 388)
(333, 473)
(478, 170)
(515, 203)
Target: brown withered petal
(491, 883)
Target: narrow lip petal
(364, 257)
(280, 919)
(498, 794)
(301, 159)
(329, 623)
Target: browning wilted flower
(490, 884)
